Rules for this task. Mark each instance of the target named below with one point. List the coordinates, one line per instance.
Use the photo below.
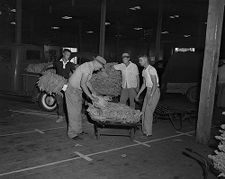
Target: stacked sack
(219, 157)
(51, 82)
(107, 82)
(105, 111)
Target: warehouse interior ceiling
(128, 19)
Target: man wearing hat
(80, 82)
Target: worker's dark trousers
(60, 104)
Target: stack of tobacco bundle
(219, 157)
(105, 111)
(51, 82)
(108, 81)
(37, 68)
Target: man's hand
(137, 98)
(64, 87)
(94, 98)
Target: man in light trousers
(80, 82)
(151, 81)
(130, 80)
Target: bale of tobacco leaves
(108, 81)
(38, 68)
(105, 111)
(219, 157)
(51, 82)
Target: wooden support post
(158, 31)
(102, 28)
(18, 42)
(79, 35)
(210, 68)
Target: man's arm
(89, 85)
(154, 87)
(84, 86)
(138, 82)
(142, 88)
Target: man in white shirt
(151, 82)
(130, 80)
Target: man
(151, 81)
(80, 82)
(63, 68)
(130, 80)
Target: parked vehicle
(183, 75)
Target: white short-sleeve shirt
(150, 70)
(129, 74)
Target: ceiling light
(176, 16)
(107, 23)
(90, 32)
(13, 10)
(13, 23)
(138, 28)
(55, 27)
(135, 8)
(186, 36)
(67, 17)
(164, 32)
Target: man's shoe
(60, 119)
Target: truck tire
(193, 94)
(47, 102)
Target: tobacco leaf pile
(51, 82)
(37, 68)
(105, 111)
(108, 81)
(219, 157)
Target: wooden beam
(210, 69)
(158, 31)
(102, 28)
(18, 43)
(18, 21)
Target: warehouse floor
(32, 145)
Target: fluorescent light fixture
(164, 32)
(135, 8)
(55, 27)
(107, 23)
(186, 36)
(13, 23)
(67, 17)
(13, 10)
(177, 49)
(138, 28)
(90, 32)
(172, 17)
(176, 16)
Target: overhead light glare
(135, 8)
(138, 28)
(55, 27)
(67, 17)
(186, 36)
(13, 23)
(13, 10)
(90, 32)
(176, 16)
(164, 32)
(107, 23)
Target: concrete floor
(34, 146)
